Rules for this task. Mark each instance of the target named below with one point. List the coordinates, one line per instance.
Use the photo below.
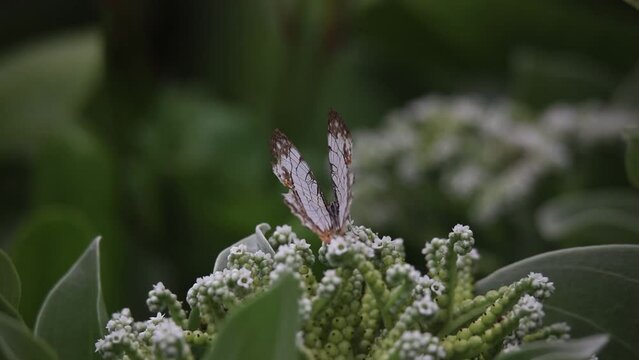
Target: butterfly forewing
(305, 198)
(340, 147)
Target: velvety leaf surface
(10, 288)
(75, 170)
(17, 342)
(597, 288)
(263, 329)
(634, 3)
(610, 215)
(53, 238)
(43, 86)
(578, 349)
(7, 308)
(632, 155)
(73, 315)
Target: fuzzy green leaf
(17, 343)
(263, 328)
(578, 349)
(7, 308)
(634, 3)
(75, 303)
(43, 86)
(610, 215)
(53, 237)
(596, 292)
(10, 288)
(632, 155)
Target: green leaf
(75, 303)
(632, 156)
(17, 343)
(53, 238)
(578, 349)
(596, 292)
(10, 288)
(263, 328)
(253, 243)
(44, 85)
(599, 216)
(75, 170)
(7, 308)
(542, 78)
(634, 3)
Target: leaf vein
(613, 337)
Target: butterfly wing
(340, 149)
(304, 198)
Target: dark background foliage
(147, 122)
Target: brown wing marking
(304, 198)
(340, 150)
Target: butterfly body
(305, 197)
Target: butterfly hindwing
(340, 149)
(305, 198)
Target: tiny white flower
(338, 246)
(245, 279)
(238, 249)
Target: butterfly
(304, 196)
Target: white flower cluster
(289, 259)
(368, 306)
(414, 345)
(543, 287)
(426, 306)
(363, 233)
(468, 259)
(463, 239)
(115, 343)
(532, 321)
(169, 343)
(303, 249)
(490, 153)
(259, 263)
(147, 329)
(122, 320)
(121, 336)
(219, 290)
(282, 269)
(238, 250)
(385, 242)
(434, 251)
(157, 338)
(528, 323)
(305, 306)
(534, 317)
(402, 273)
(329, 284)
(287, 255)
(281, 236)
(425, 285)
(344, 247)
(160, 298)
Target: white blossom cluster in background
(489, 154)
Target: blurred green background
(147, 122)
